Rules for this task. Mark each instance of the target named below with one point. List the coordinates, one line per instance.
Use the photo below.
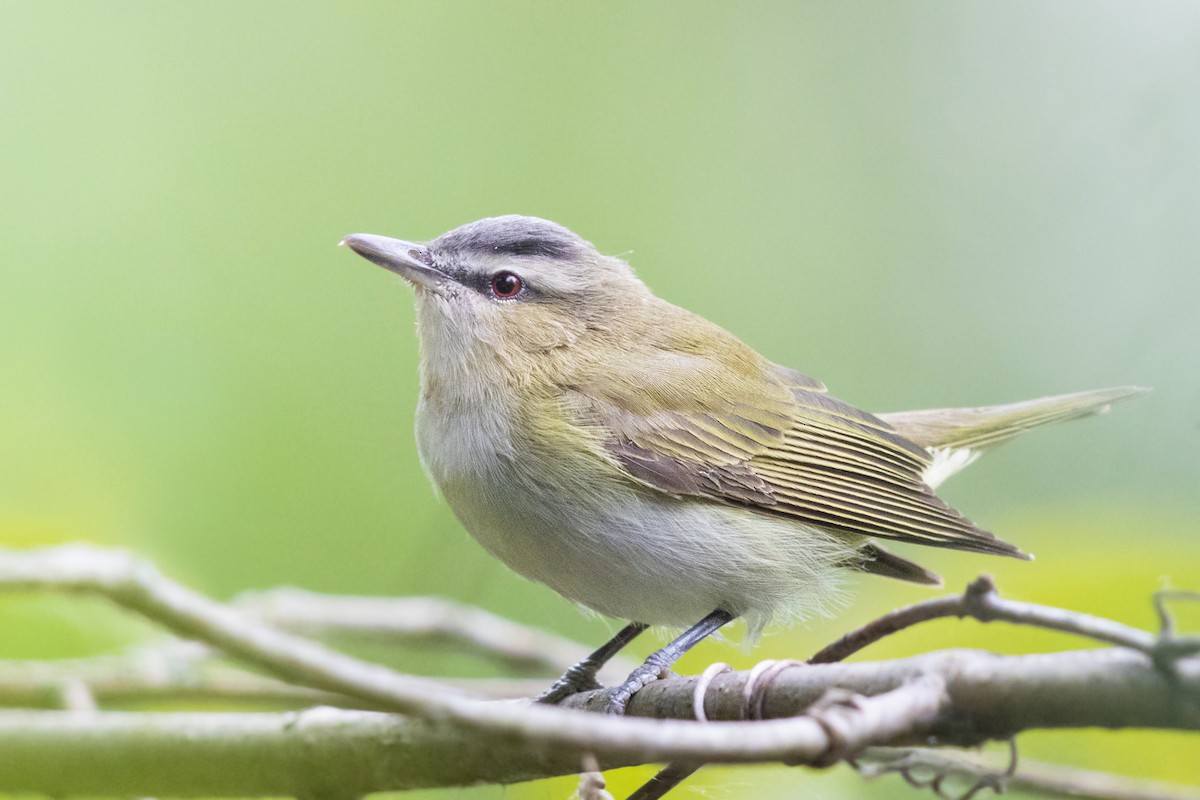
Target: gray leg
(661, 660)
(582, 676)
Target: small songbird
(647, 464)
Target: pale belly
(626, 551)
(663, 563)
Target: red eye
(506, 285)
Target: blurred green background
(923, 204)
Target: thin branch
(1031, 777)
(665, 780)
(592, 785)
(993, 696)
(172, 672)
(189, 672)
(1052, 780)
(677, 772)
(981, 601)
(984, 695)
(1166, 623)
(310, 752)
(920, 775)
(136, 585)
(422, 620)
(1170, 644)
(139, 587)
(957, 697)
(75, 695)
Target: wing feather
(788, 450)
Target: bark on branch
(810, 714)
(957, 697)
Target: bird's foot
(619, 696)
(579, 678)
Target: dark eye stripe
(535, 247)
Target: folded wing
(777, 443)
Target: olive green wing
(779, 444)
(989, 426)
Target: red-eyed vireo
(645, 463)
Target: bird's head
(509, 288)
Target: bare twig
(174, 671)
(138, 586)
(1031, 777)
(957, 697)
(1052, 780)
(909, 765)
(189, 672)
(1166, 623)
(75, 695)
(677, 772)
(430, 620)
(993, 696)
(107, 753)
(1171, 646)
(667, 779)
(301, 754)
(592, 785)
(982, 602)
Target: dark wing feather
(795, 452)
(877, 560)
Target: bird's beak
(407, 259)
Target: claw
(573, 681)
(619, 697)
(582, 676)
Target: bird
(647, 464)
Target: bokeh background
(923, 204)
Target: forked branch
(811, 714)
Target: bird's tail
(956, 436)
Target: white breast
(624, 551)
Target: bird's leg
(582, 676)
(661, 660)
